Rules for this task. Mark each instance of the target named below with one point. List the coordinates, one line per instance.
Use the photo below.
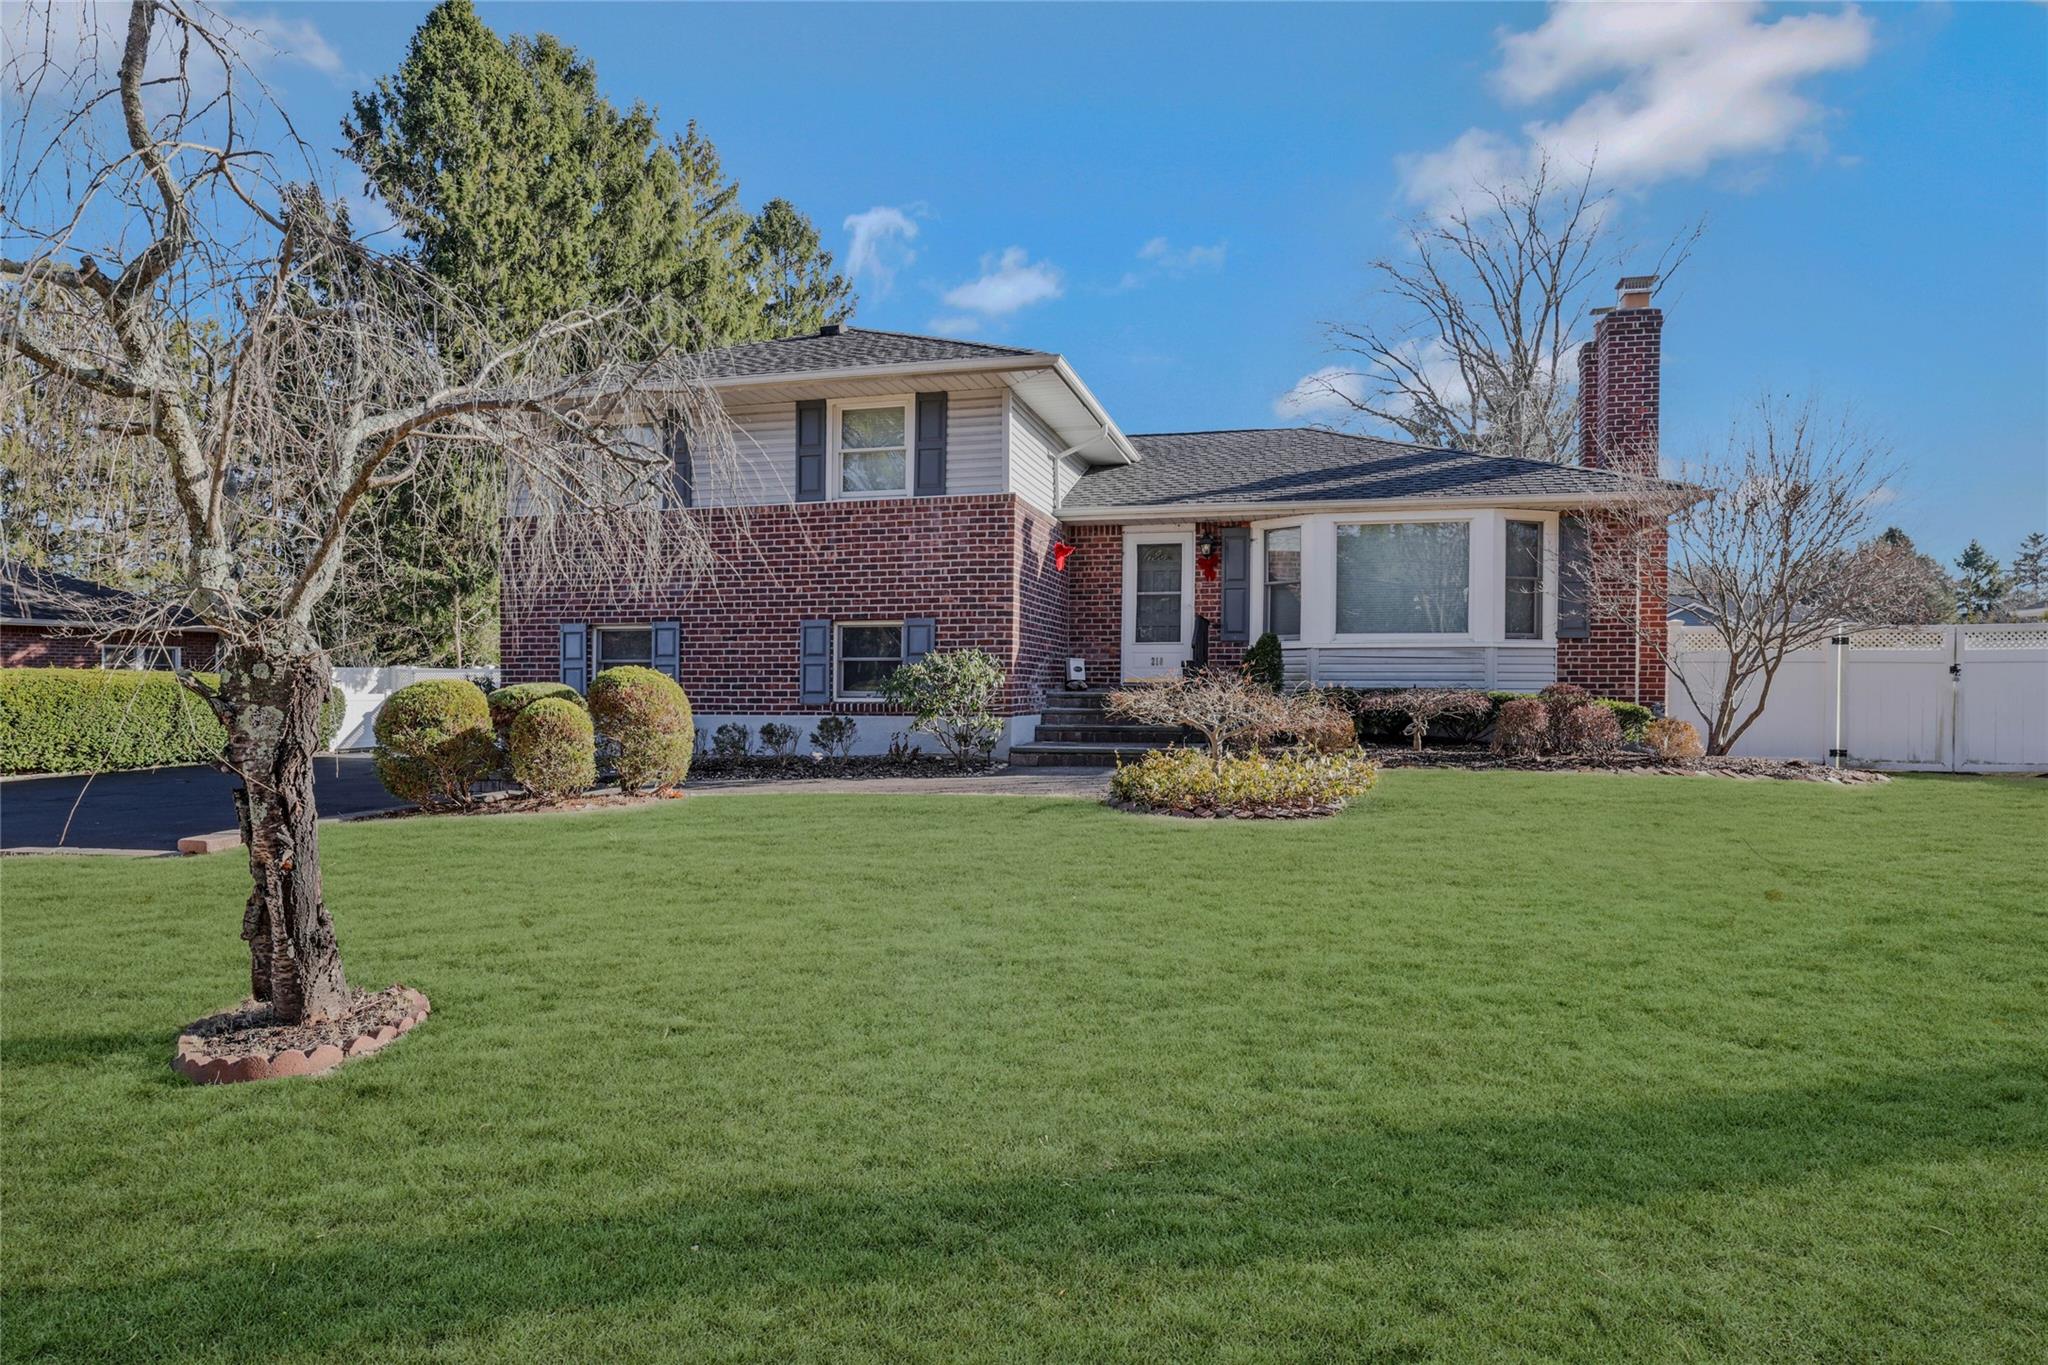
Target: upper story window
(1404, 578)
(1524, 580)
(873, 449)
(1283, 582)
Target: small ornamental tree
(646, 718)
(1425, 705)
(434, 741)
(951, 696)
(554, 752)
(1225, 709)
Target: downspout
(1058, 457)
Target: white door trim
(1158, 660)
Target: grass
(1494, 1067)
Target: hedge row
(1389, 729)
(61, 720)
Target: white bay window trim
(835, 471)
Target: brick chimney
(1619, 375)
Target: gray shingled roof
(1301, 464)
(847, 348)
(41, 595)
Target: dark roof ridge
(927, 336)
(1376, 440)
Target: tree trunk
(273, 701)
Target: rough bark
(272, 700)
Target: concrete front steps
(1074, 732)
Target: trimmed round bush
(554, 750)
(507, 702)
(1673, 741)
(1632, 716)
(434, 741)
(1588, 730)
(645, 717)
(1521, 727)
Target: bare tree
(238, 381)
(1765, 531)
(1473, 337)
(1224, 708)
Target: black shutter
(920, 637)
(682, 479)
(667, 649)
(931, 445)
(1237, 583)
(575, 656)
(814, 670)
(1573, 621)
(810, 451)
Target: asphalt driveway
(154, 809)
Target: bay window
(1524, 580)
(874, 449)
(868, 653)
(1283, 582)
(1403, 578)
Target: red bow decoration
(1060, 551)
(1207, 564)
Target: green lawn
(1493, 1067)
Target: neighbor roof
(40, 596)
(847, 348)
(1304, 464)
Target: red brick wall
(1095, 591)
(981, 566)
(59, 647)
(1620, 378)
(1209, 597)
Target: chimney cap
(1635, 290)
(1603, 312)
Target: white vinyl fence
(366, 688)
(1939, 698)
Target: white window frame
(133, 655)
(835, 468)
(1465, 636)
(1259, 535)
(1544, 594)
(596, 664)
(839, 629)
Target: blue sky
(1178, 197)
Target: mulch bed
(1753, 769)
(249, 1043)
(803, 768)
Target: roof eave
(973, 365)
(1211, 510)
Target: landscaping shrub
(61, 720)
(1377, 725)
(951, 695)
(1185, 782)
(55, 720)
(1589, 730)
(1422, 706)
(779, 740)
(1264, 663)
(1562, 699)
(1319, 722)
(553, 748)
(731, 741)
(834, 735)
(434, 741)
(1225, 709)
(507, 702)
(1673, 741)
(1632, 717)
(646, 718)
(1521, 727)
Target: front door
(1159, 603)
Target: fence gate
(1939, 698)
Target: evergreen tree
(2030, 565)
(1981, 585)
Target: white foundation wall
(872, 737)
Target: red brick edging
(192, 1061)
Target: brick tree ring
(245, 1044)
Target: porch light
(1205, 545)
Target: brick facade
(78, 647)
(981, 566)
(1095, 600)
(1620, 378)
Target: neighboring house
(905, 494)
(53, 620)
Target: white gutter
(1212, 510)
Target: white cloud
(1676, 89)
(1182, 260)
(1323, 395)
(880, 244)
(292, 40)
(1008, 282)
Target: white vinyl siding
(1033, 443)
(763, 469)
(1513, 667)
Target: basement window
(869, 651)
